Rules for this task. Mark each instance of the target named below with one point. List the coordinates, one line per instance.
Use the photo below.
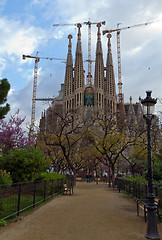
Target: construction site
(87, 94)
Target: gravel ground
(94, 212)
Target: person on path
(87, 178)
(90, 177)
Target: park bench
(141, 204)
(67, 190)
(98, 179)
(78, 179)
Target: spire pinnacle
(109, 42)
(79, 32)
(109, 54)
(130, 100)
(99, 32)
(70, 45)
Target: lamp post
(148, 110)
(109, 176)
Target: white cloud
(2, 65)
(19, 38)
(156, 26)
(135, 50)
(22, 42)
(11, 91)
(58, 34)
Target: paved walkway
(94, 212)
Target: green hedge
(142, 180)
(136, 179)
(49, 176)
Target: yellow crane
(117, 30)
(88, 23)
(31, 131)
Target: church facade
(83, 99)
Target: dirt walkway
(94, 212)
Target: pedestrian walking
(87, 178)
(90, 177)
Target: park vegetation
(4, 88)
(97, 144)
(20, 160)
(94, 145)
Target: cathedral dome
(89, 96)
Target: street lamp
(109, 176)
(148, 111)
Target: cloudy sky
(26, 26)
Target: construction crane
(44, 99)
(117, 30)
(31, 131)
(89, 75)
(89, 23)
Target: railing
(18, 197)
(137, 190)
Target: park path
(94, 212)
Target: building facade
(88, 100)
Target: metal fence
(16, 198)
(137, 190)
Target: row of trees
(97, 144)
(93, 144)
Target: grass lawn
(9, 205)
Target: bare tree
(66, 139)
(110, 141)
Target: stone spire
(79, 46)
(68, 83)
(42, 124)
(99, 46)
(109, 85)
(78, 72)
(139, 115)
(109, 54)
(99, 72)
(69, 56)
(131, 117)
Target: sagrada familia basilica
(82, 99)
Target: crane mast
(89, 23)
(120, 95)
(31, 130)
(34, 97)
(89, 75)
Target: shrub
(5, 178)
(49, 176)
(24, 164)
(157, 170)
(2, 223)
(136, 179)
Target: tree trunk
(113, 176)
